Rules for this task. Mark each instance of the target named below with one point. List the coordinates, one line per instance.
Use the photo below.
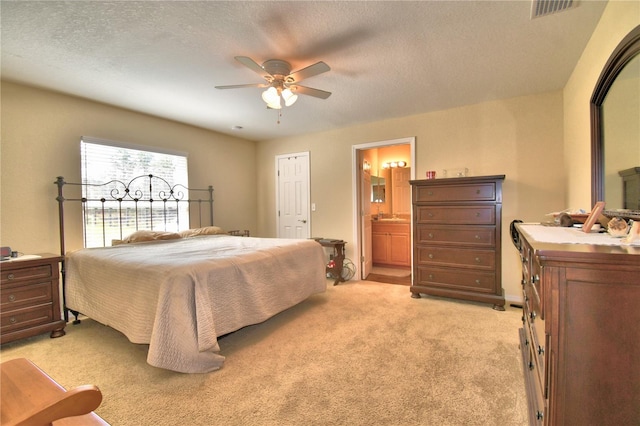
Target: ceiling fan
(281, 82)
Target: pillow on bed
(146, 235)
(207, 230)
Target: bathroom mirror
(615, 128)
(378, 189)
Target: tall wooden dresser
(580, 341)
(457, 238)
(30, 295)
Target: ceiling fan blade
(316, 93)
(250, 63)
(310, 71)
(241, 86)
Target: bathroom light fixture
(394, 164)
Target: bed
(179, 291)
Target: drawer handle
(10, 276)
(430, 276)
(532, 315)
(12, 298)
(478, 282)
(430, 235)
(430, 193)
(430, 214)
(535, 278)
(539, 415)
(477, 214)
(531, 365)
(430, 255)
(13, 320)
(477, 237)
(540, 350)
(478, 260)
(477, 191)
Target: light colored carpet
(392, 272)
(363, 353)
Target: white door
(292, 207)
(365, 202)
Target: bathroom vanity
(391, 242)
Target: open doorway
(382, 202)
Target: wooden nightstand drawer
(26, 317)
(22, 274)
(456, 236)
(449, 193)
(456, 215)
(32, 294)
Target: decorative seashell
(634, 233)
(617, 227)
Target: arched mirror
(615, 128)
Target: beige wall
(41, 133)
(521, 138)
(618, 19)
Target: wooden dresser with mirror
(580, 342)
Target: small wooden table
(337, 257)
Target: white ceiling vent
(547, 7)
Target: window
(111, 212)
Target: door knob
(302, 220)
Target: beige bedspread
(178, 296)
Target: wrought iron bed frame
(126, 194)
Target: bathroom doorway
(382, 200)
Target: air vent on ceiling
(547, 7)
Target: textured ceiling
(388, 59)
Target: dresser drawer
(456, 215)
(26, 317)
(536, 396)
(10, 275)
(32, 294)
(537, 348)
(477, 281)
(453, 193)
(456, 236)
(450, 256)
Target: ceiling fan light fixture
(289, 97)
(271, 96)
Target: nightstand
(30, 297)
(337, 257)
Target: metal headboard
(150, 190)
(127, 197)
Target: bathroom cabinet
(391, 243)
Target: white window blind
(105, 161)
